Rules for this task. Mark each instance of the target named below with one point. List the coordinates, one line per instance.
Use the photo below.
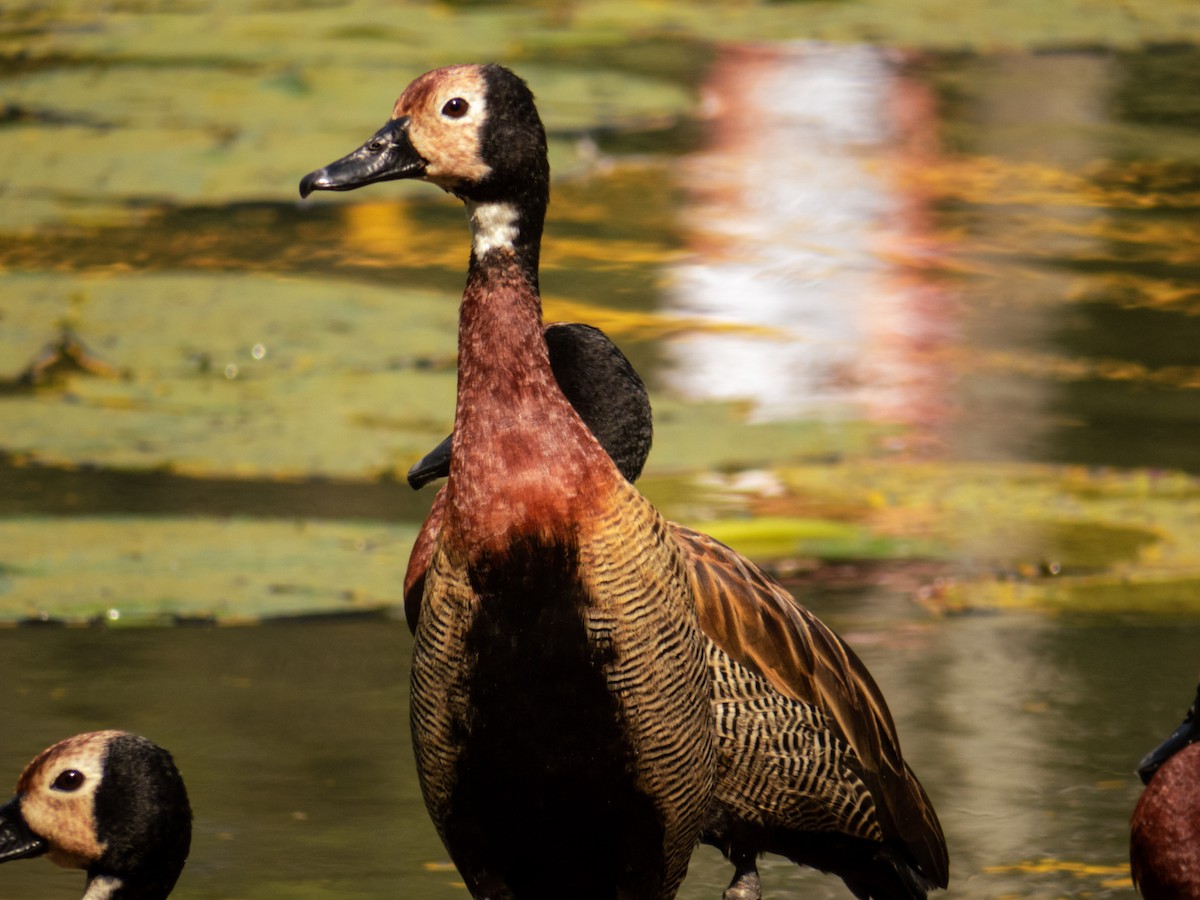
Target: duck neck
(521, 455)
(512, 227)
(501, 348)
(144, 874)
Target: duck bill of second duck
(560, 704)
(17, 840)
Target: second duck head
(109, 802)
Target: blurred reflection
(1017, 311)
(823, 207)
(798, 225)
(1003, 245)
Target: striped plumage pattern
(648, 618)
(805, 740)
(782, 763)
(614, 605)
(805, 743)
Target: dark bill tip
(16, 839)
(313, 181)
(1185, 735)
(387, 156)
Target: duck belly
(563, 734)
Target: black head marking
(142, 813)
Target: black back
(605, 390)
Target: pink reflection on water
(801, 222)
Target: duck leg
(746, 884)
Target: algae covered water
(914, 295)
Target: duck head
(472, 130)
(109, 802)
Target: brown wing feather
(760, 625)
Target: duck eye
(70, 780)
(456, 108)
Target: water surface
(919, 328)
(293, 739)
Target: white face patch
(493, 227)
(447, 109)
(65, 818)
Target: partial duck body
(809, 762)
(560, 714)
(1164, 846)
(604, 389)
(109, 802)
(810, 765)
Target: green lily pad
(217, 377)
(147, 570)
(775, 537)
(1054, 539)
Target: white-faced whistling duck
(560, 696)
(809, 762)
(1164, 845)
(108, 802)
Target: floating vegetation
(260, 340)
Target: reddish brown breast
(523, 463)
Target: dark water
(294, 743)
(993, 255)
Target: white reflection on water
(802, 221)
(793, 220)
